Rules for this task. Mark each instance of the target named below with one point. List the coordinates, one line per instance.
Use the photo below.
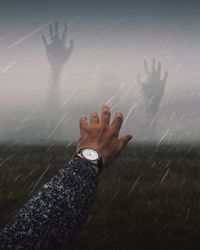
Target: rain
(63, 59)
(98, 71)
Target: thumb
(124, 140)
(139, 79)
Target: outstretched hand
(102, 136)
(57, 52)
(153, 85)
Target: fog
(110, 43)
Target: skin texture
(50, 219)
(102, 135)
(152, 86)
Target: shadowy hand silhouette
(153, 87)
(57, 52)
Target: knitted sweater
(50, 219)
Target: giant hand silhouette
(153, 87)
(57, 52)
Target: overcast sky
(111, 40)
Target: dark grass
(148, 199)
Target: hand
(103, 136)
(153, 86)
(56, 50)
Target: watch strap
(98, 163)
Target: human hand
(56, 50)
(102, 136)
(153, 85)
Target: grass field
(148, 199)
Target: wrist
(93, 167)
(93, 157)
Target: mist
(111, 42)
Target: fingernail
(106, 107)
(119, 114)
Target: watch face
(90, 154)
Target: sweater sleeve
(49, 219)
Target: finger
(94, 119)
(105, 115)
(56, 31)
(44, 40)
(56, 27)
(83, 122)
(139, 80)
(153, 65)
(124, 141)
(146, 67)
(165, 77)
(64, 35)
(71, 47)
(50, 30)
(159, 68)
(71, 43)
(117, 122)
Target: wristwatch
(92, 156)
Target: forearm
(54, 91)
(51, 217)
(56, 75)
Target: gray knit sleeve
(49, 219)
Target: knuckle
(104, 127)
(93, 130)
(86, 130)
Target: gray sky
(111, 40)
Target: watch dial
(90, 154)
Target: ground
(148, 199)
